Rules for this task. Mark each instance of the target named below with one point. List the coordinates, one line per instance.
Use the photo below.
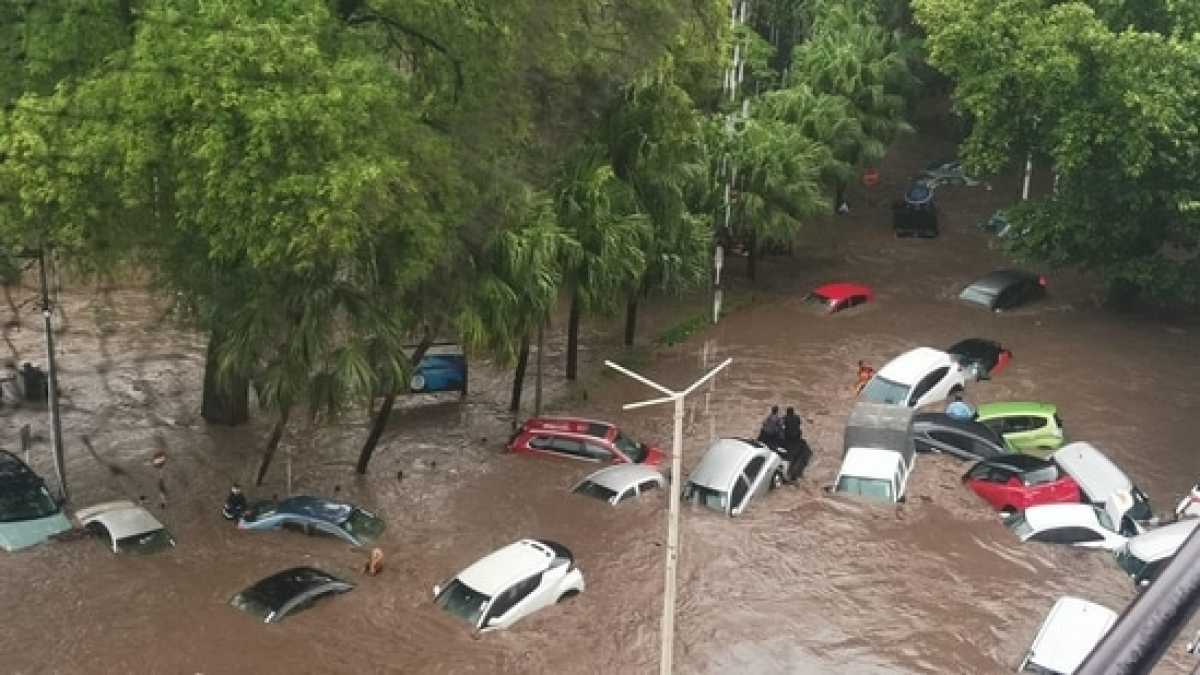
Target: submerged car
(1014, 483)
(1103, 483)
(948, 172)
(1069, 633)
(964, 439)
(916, 378)
(510, 584)
(615, 484)
(28, 514)
(1031, 427)
(286, 592)
(1005, 289)
(732, 472)
(130, 528)
(839, 296)
(981, 358)
(356, 526)
(581, 439)
(1143, 557)
(1081, 525)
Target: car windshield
(978, 296)
(591, 489)
(364, 525)
(251, 604)
(635, 451)
(1141, 506)
(1105, 520)
(1019, 527)
(1129, 562)
(818, 299)
(706, 496)
(462, 601)
(881, 390)
(146, 542)
(871, 488)
(26, 502)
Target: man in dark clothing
(798, 452)
(772, 429)
(235, 504)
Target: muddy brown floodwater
(802, 583)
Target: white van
(1105, 484)
(1144, 556)
(1069, 633)
(879, 453)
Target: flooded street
(801, 583)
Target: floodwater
(801, 583)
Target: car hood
(26, 533)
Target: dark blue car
(315, 514)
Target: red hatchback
(839, 296)
(1016, 482)
(587, 440)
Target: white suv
(916, 378)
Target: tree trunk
(223, 402)
(385, 411)
(752, 257)
(537, 385)
(572, 338)
(272, 446)
(519, 376)
(631, 307)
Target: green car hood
(26, 533)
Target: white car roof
(870, 463)
(495, 572)
(1047, 516)
(122, 518)
(620, 477)
(1069, 633)
(911, 366)
(1097, 476)
(1162, 542)
(722, 462)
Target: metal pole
(1028, 173)
(668, 617)
(52, 381)
(537, 387)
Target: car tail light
(1042, 281)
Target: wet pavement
(801, 583)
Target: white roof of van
(1097, 476)
(1069, 633)
(1162, 542)
(911, 366)
(870, 463)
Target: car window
(981, 472)
(1046, 474)
(998, 475)
(593, 451)
(648, 486)
(998, 425)
(857, 300)
(1069, 535)
(753, 467)
(1008, 298)
(627, 494)
(927, 383)
(541, 443)
(1035, 423)
(598, 430)
(950, 438)
(513, 595)
(740, 490)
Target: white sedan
(1075, 524)
(617, 483)
(915, 378)
(510, 584)
(129, 527)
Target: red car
(587, 440)
(1014, 482)
(839, 296)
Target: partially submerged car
(878, 453)
(838, 296)
(732, 472)
(947, 172)
(356, 526)
(964, 439)
(981, 358)
(581, 439)
(1143, 557)
(1031, 427)
(616, 484)
(29, 515)
(508, 585)
(1068, 634)
(1005, 289)
(1012, 483)
(916, 378)
(1104, 484)
(286, 592)
(130, 528)
(1081, 525)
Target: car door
(512, 603)
(931, 388)
(753, 473)
(957, 444)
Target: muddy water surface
(802, 583)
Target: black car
(916, 214)
(1005, 289)
(981, 357)
(939, 432)
(291, 590)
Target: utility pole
(676, 397)
(52, 379)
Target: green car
(1030, 427)
(28, 514)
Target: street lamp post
(676, 397)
